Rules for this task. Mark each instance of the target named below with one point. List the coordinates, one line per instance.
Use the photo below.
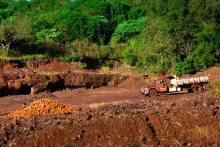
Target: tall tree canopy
(179, 36)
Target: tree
(97, 27)
(207, 50)
(45, 34)
(157, 45)
(16, 36)
(128, 29)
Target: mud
(191, 121)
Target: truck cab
(157, 86)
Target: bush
(105, 69)
(3, 52)
(129, 57)
(182, 67)
(214, 87)
(68, 57)
(128, 29)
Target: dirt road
(123, 88)
(85, 97)
(171, 120)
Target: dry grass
(215, 87)
(97, 105)
(202, 131)
(25, 58)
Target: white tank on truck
(173, 84)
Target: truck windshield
(156, 82)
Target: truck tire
(197, 88)
(152, 92)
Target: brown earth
(191, 121)
(116, 114)
(42, 107)
(32, 77)
(213, 73)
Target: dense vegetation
(180, 36)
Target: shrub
(128, 29)
(129, 57)
(68, 57)
(105, 69)
(214, 87)
(182, 67)
(3, 52)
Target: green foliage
(49, 34)
(74, 23)
(43, 21)
(82, 65)
(96, 28)
(3, 4)
(23, 58)
(133, 14)
(119, 10)
(156, 36)
(182, 67)
(128, 29)
(130, 58)
(5, 13)
(207, 50)
(10, 32)
(176, 29)
(3, 52)
(157, 46)
(68, 57)
(105, 69)
(47, 54)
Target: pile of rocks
(43, 107)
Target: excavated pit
(32, 77)
(24, 90)
(101, 117)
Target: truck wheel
(197, 88)
(152, 92)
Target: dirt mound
(43, 107)
(213, 73)
(132, 83)
(44, 65)
(51, 75)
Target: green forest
(155, 36)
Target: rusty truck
(173, 84)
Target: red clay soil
(127, 90)
(44, 65)
(213, 73)
(113, 115)
(133, 83)
(42, 107)
(33, 77)
(84, 97)
(192, 121)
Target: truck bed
(186, 81)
